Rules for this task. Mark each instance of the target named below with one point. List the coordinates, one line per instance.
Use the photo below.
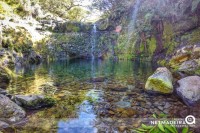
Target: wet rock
(122, 128)
(3, 92)
(34, 101)
(160, 107)
(118, 88)
(10, 112)
(123, 104)
(3, 125)
(160, 81)
(189, 90)
(98, 79)
(4, 78)
(125, 112)
(48, 88)
(167, 105)
(34, 58)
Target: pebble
(167, 105)
(122, 128)
(160, 107)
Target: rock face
(3, 125)
(189, 89)
(34, 101)
(160, 81)
(4, 79)
(188, 66)
(10, 112)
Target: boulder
(10, 112)
(34, 101)
(189, 90)
(160, 81)
(4, 78)
(188, 66)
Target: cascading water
(93, 41)
(131, 26)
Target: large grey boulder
(189, 90)
(9, 111)
(160, 81)
(34, 101)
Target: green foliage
(19, 41)
(76, 14)
(160, 128)
(71, 27)
(42, 48)
(194, 37)
(11, 2)
(20, 10)
(1, 9)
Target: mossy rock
(160, 81)
(34, 101)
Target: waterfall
(93, 41)
(131, 26)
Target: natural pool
(92, 96)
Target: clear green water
(80, 102)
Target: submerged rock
(48, 88)
(34, 101)
(98, 79)
(189, 90)
(160, 81)
(10, 112)
(123, 104)
(118, 88)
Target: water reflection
(76, 94)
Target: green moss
(168, 37)
(18, 41)
(70, 27)
(162, 62)
(194, 37)
(159, 85)
(151, 46)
